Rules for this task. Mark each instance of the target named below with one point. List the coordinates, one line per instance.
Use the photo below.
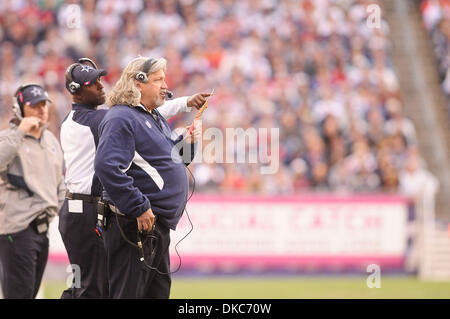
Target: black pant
(129, 278)
(85, 248)
(23, 257)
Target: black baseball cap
(31, 95)
(83, 75)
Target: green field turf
(292, 288)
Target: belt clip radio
(101, 214)
(41, 223)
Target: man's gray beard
(159, 101)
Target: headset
(18, 100)
(141, 76)
(74, 86)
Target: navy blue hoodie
(140, 166)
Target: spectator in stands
(436, 17)
(414, 176)
(288, 65)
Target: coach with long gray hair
(79, 222)
(145, 182)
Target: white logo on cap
(86, 68)
(36, 91)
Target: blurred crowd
(436, 17)
(317, 70)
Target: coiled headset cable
(140, 243)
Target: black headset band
(148, 65)
(84, 60)
(70, 70)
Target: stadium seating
(313, 69)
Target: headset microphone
(169, 94)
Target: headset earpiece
(142, 77)
(73, 86)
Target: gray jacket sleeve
(10, 141)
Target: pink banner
(297, 232)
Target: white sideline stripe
(126, 169)
(146, 167)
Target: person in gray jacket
(31, 193)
